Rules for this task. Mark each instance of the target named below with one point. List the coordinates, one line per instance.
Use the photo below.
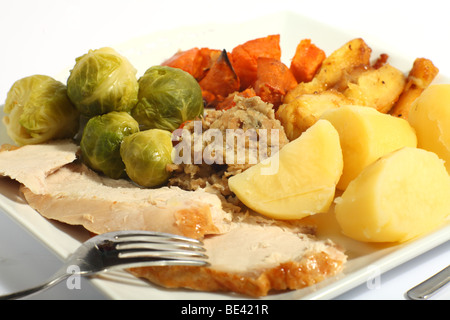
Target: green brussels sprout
(146, 155)
(101, 139)
(102, 81)
(38, 110)
(167, 98)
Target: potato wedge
(354, 54)
(377, 88)
(301, 113)
(420, 77)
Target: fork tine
(152, 236)
(151, 253)
(151, 257)
(133, 245)
(149, 248)
(156, 241)
(157, 262)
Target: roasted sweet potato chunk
(219, 81)
(274, 79)
(187, 60)
(244, 57)
(195, 61)
(306, 61)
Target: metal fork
(121, 250)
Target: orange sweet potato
(207, 59)
(274, 80)
(306, 61)
(185, 60)
(244, 57)
(195, 61)
(219, 81)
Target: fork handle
(430, 286)
(55, 279)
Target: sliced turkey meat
(255, 259)
(31, 164)
(67, 191)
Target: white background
(44, 37)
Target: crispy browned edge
(291, 275)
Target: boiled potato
(430, 117)
(366, 135)
(301, 113)
(399, 197)
(377, 88)
(298, 181)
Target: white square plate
(366, 261)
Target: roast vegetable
(167, 98)
(244, 57)
(102, 81)
(335, 69)
(419, 78)
(38, 110)
(377, 88)
(146, 155)
(302, 112)
(195, 61)
(273, 80)
(306, 61)
(101, 139)
(219, 81)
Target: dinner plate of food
(306, 159)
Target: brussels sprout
(167, 97)
(102, 81)
(38, 110)
(146, 155)
(101, 139)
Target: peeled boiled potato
(366, 135)
(402, 195)
(430, 117)
(298, 181)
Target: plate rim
(349, 281)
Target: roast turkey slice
(61, 188)
(255, 259)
